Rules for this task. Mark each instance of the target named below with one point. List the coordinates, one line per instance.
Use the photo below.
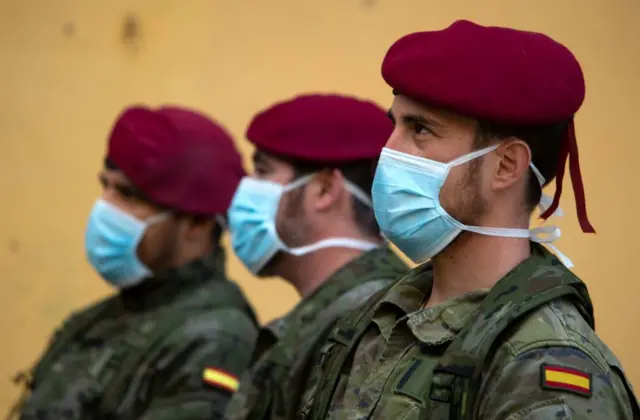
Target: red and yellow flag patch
(566, 379)
(220, 379)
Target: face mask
(111, 242)
(406, 202)
(252, 223)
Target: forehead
(115, 176)
(260, 157)
(403, 107)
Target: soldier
(306, 217)
(495, 326)
(173, 340)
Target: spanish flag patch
(220, 379)
(566, 379)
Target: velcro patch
(220, 379)
(560, 378)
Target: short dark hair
(544, 141)
(358, 172)
(217, 231)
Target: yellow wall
(65, 72)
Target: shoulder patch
(218, 378)
(559, 378)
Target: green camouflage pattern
(181, 321)
(288, 346)
(391, 375)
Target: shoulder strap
(458, 377)
(77, 324)
(343, 339)
(120, 361)
(340, 345)
(280, 360)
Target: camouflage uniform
(141, 354)
(287, 347)
(406, 357)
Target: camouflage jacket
(288, 346)
(150, 352)
(546, 363)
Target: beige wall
(65, 72)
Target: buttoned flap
(407, 389)
(412, 378)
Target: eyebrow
(259, 158)
(415, 118)
(122, 185)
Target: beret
(322, 128)
(177, 157)
(497, 74)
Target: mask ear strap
(545, 200)
(297, 183)
(547, 235)
(333, 243)
(471, 156)
(351, 187)
(358, 193)
(157, 218)
(364, 199)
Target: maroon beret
(322, 128)
(177, 157)
(501, 75)
(498, 74)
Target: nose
(109, 194)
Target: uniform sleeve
(199, 369)
(244, 401)
(552, 383)
(49, 399)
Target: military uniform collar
(436, 325)
(167, 285)
(441, 323)
(305, 312)
(431, 326)
(404, 297)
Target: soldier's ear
(326, 189)
(512, 164)
(197, 227)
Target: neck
(192, 253)
(473, 262)
(308, 272)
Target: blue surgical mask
(111, 241)
(252, 223)
(406, 202)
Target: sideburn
(478, 206)
(291, 227)
(168, 247)
(472, 205)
